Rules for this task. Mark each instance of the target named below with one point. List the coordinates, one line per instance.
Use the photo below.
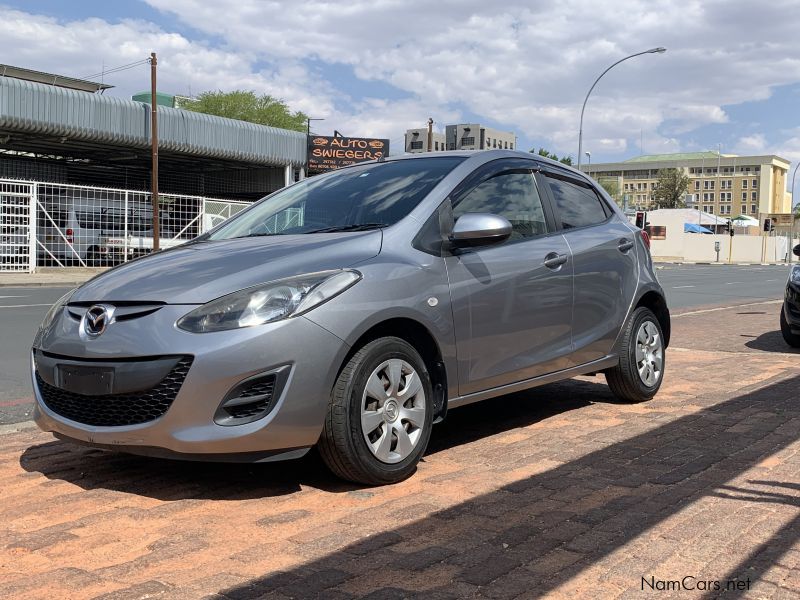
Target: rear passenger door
(604, 263)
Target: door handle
(554, 261)
(625, 245)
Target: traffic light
(768, 225)
(640, 219)
(729, 226)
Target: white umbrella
(745, 221)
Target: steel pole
(589, 93)
(154, 149)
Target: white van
(72, 230)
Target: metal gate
(17, 226)
(56, 224)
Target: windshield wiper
(259, 234)
(354, 227)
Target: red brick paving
(557, 492)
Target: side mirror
(796, 250)
(480, 229)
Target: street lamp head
(589, 154)
(659, 50)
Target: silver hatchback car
(351, 311)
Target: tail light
(645, 238)
(70, 233)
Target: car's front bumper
(308, 355)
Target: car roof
(488, 155)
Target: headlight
(55, 310)
(794, 274)
(269, 302)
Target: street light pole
(658, 50)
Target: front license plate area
(89, 381)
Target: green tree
(611, 187)
(567, 160)
(247, 106)
(671, 187)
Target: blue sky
(731, 75)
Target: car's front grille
(115, 410)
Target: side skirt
(591, 367)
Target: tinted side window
(510, 195)
(577, 205)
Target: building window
(436, 146)
(744, 184)
(415, 145)
(754, 196)
(468, 141)
(511, 146)
(708, 184)
(754, 208)
(755, 183)
(708, 196)
(697, 185)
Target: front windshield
(361, 197)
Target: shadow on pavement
(771, 341)
(530, 536)
(163, 479)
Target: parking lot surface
(556, 492)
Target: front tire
(642, 359)
(380, 414)
(790, 338)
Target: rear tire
(380, 414)
(790, 338)
(642, 358)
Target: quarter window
(578, 206)
(510, 195)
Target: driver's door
(512, 301)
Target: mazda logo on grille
(96, 320)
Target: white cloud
(524, 65)
(752, 144)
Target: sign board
(327, 153)
(781, 219)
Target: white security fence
(49, 224)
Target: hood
(201, 271)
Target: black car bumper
(791, 307)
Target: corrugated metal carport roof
(35, 108)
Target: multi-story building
(466, 136)
(722, 184)
(417, 140)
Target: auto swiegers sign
(328, 153)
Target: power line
(116, 69)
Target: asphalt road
(687, 286)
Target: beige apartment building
(721, 184)
(465, 136)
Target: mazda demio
(351, 311)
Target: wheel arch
(656, 302)
(423, 341)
